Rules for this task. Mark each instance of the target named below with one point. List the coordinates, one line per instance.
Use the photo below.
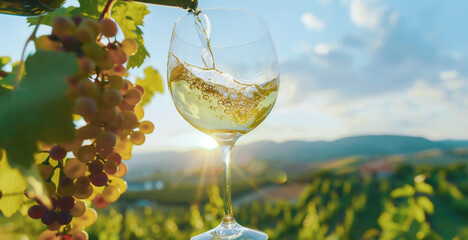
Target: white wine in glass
(224, 76)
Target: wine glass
(223, 74)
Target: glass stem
(226, 151)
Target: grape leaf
(3, 91)
(9, 81)
(39, 109)
(47, 20)
(12, 185)
(130, 16)
(5, 82)
(4, 61)
(152, 83)
(90, 8)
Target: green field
(422, 202)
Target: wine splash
(214, 102)
(204, 33)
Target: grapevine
(90, 167)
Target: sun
(208, 143)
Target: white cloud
(322, 49)
(451, 80)
(312, 22)
(368, 14)
(448, 75)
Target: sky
(348, 67)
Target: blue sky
(348, 67)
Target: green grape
(88, 218)
(62, 26)
(117, 122)
(120, 183)
(74, 168)
(111, 193)
(89, 131)
(124, 106)
(107, 114)
(83, 182)
(79, 235)
(55, 226)
(131, 120)
(107, 27)
(121, 171)
(91, 24)
(79, 209)
(118, 70)
(45, 170)
(105, 142)
(46, 43)
(85, 106)
(73, 145)
(129, 46)
(83, 192)
(86, 65)
(133, 96)
(87, 88)
(93, 50)
(127, 156)
(67, 190)
(112, 97)
(146, 127)
(124, 147)
(127, 85)
(137, 138)
(117, 55)
(110, 167)
(48, 235)
(84, 34)
(116, 82)
(105, 62)
(114, 157)
(86, 153)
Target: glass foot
(233, 232)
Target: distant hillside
(292, 152)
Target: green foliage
(4, 61)
(12, 184)
(47, 19)
(9, 81)
(152, 83)
(130, 17)
(90, 8)
(39, 109)
(354, 207)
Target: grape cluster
(90, 167)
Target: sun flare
(208, 143)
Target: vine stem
(32, 37)
(106, 12)
(107, 9)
